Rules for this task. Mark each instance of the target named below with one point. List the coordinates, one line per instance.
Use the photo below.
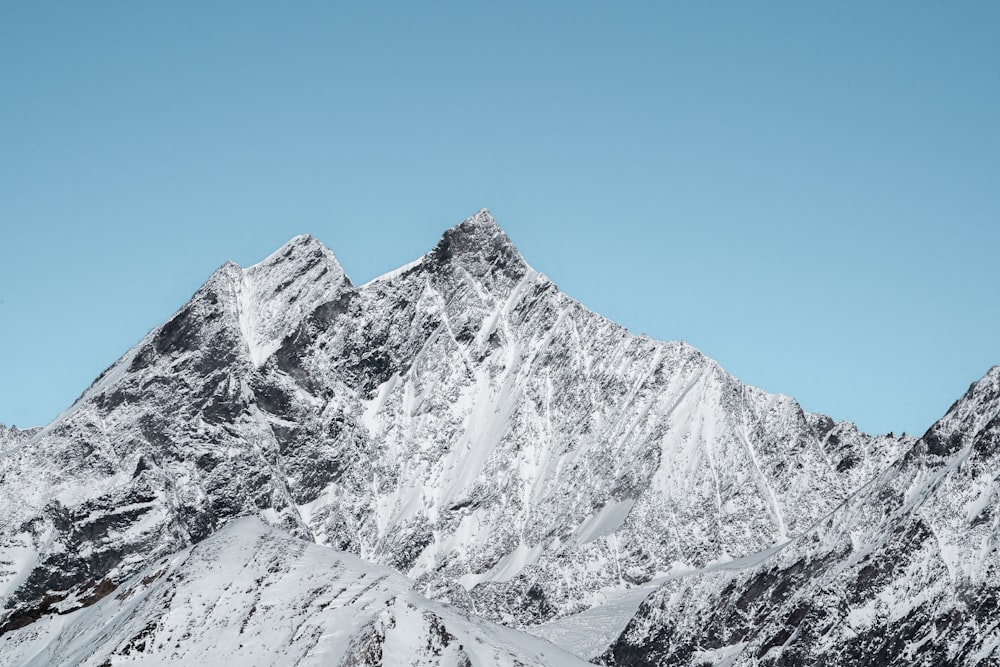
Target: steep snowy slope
(253, 595)
(459, 420)
(904, 573)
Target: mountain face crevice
(514, 454)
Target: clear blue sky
(808, 192)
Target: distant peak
(482, 224)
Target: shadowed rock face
(467, 424)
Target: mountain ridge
(305, 605)
(459, 419)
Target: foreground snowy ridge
(511, 453)
(251, 594)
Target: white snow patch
(606, 521)
(507, 568)
(720, 657)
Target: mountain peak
(267, 300)
(484, 217)
(276, 293)
(480, 246)
(302, 249)
(482, 224)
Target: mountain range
(458, 464)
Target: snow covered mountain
(906, 572)
(459, 420)
(255, 595)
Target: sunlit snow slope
(253, 595)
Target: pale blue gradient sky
(808, 192)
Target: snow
(507, 568)
(274, 294)
(720, 657)
(984, 499)
(395, 273)
(607, 520)
(252, 594)
(588, 633)
(16, 557)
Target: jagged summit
(273, 295)
(480, 246)
(479, 230)
(298, 253)
(483, 218)
(971, 419)
(991, 376)
(477, 246)
(477, 243)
